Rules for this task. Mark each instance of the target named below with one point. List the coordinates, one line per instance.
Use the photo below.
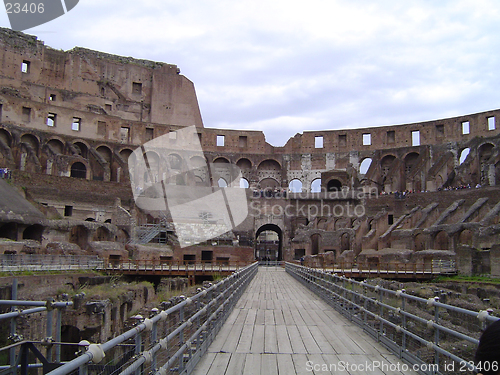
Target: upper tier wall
(127, 100)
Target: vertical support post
(13, 328)
(58, 334)
(436, 334)
(365, 305)
(154, 337)
(403, 307)
(380, 312)
(50, 314)
(138, 345)
(83, 370)
(181, 339)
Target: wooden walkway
(280, 327)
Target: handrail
(399, 320)
(168, 265)
(206, 311)
(48, 262)
(436, 267)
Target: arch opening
(78, 170)
(33, 232)
(316, 186)
(334, 185)
(365, 165)
(221, 183)
(56, 146)
(269, 165)
(315, 244)
(244, 163)
(244, 183)
(221, 159)
(31, 141)
(9, 231)
(295, 186)
(105, 153)
(5, 137)
(269, 243)
(463, 155)
(79, 235)
(81, 149)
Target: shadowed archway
(269, 243)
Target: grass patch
(467, 279)
(51, 272)
(112, 291)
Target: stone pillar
(465, 256)
(495, 260)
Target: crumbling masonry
(69, 121)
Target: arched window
(316, 186)
(295, 186)
(244, 183)
(334, 185)
(222, 183)
(463, 155)
(79, 170)
(365, 165)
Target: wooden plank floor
(280, 327)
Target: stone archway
(267, 247)
(9, 230)
(78, 170)
(79, 235)
(315, 244)
(33, 232)
(441, 241)
(334, 185)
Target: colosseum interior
(70, 120)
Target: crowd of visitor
(402, 194)
(270, 193)
(5, 173)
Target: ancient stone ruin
(69, 120)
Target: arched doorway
(33, 232)
(334, 185)
(315, 244)
(80, 236)
(9, 231)
(441, 241)
(269, 243)
(78, 170)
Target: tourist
(487, 358)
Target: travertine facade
(69, 121)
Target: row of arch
(58, 147)
(443, 241)
(58, 157)
(78, 234)
(296, 185)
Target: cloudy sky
(288, 66)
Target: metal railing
(177, 338)
(44, 262)
(436, 338)
(386, 269)
(271, 263)
(17, 351)
(170, 266)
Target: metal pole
(138, 344)
(58, 335)
(50, 314)
(13, 327)
(436, 334)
